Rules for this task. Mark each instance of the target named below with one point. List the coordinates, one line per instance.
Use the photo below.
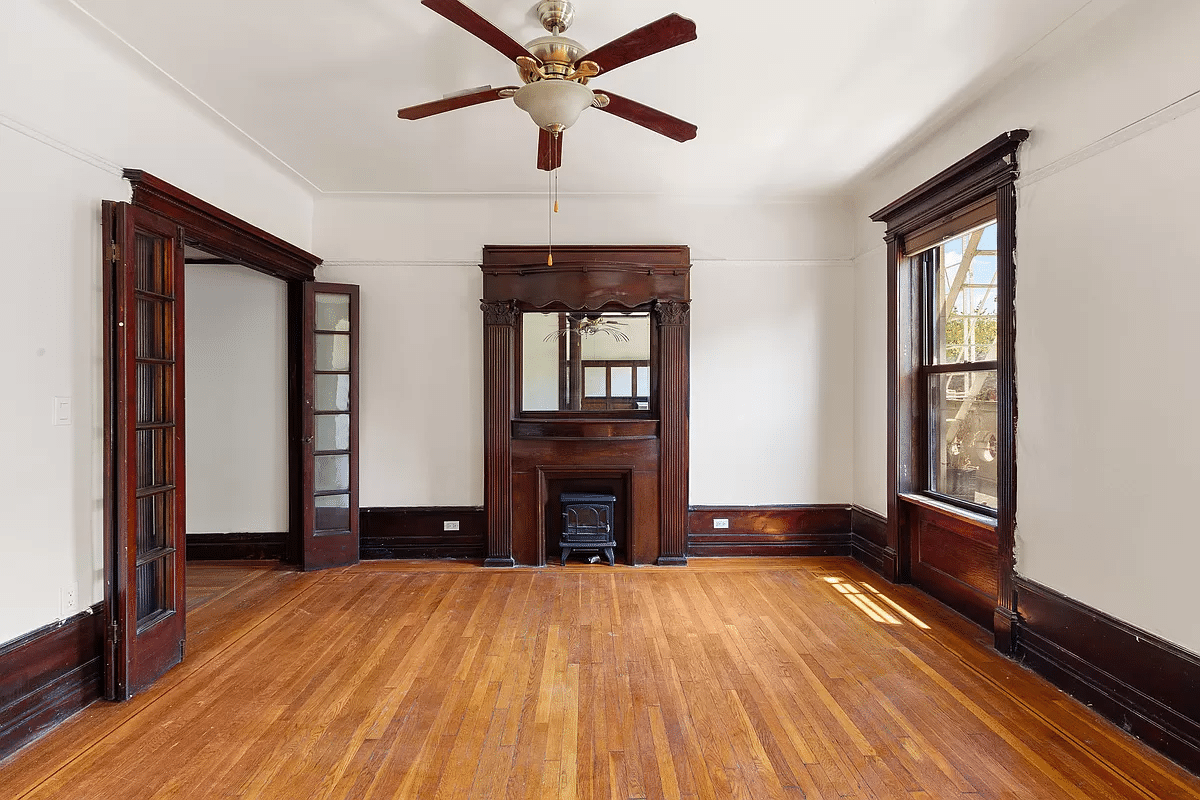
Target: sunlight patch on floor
(866, 598)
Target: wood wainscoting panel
(48, 675)
(419, 532)
(954, 559)
(802, 530)
(1143, 683)
(248, 546)
(868, 541)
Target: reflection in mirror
(573, 361)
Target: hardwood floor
(754, 678)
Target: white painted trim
(695, 199)
(791, 262)
(352, 262)
(823, 262)
(99, 162)
(882, 245)
(1168, 113)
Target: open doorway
(236, 378)
(237, 425)
(145, 346)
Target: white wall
(74, 109)
(420, 382)
(772, 384)
(66, 79)
(1106, 300)
(870, 379)
(50, 476)
(236, 364)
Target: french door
(144, 456)
(329, 457)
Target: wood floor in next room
(752, 678)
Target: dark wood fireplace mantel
(530, 458)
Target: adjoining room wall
(76, 106)
(236, 363)
(1106, 297)
(771, 349)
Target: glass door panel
(144, 460)
(331, 425)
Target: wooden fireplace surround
(644, 453)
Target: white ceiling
(792, 97)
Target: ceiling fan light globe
(554, 105)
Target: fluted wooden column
(499, 336)
(672, 320)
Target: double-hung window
(951, 385)
(957, 376)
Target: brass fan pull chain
(550, 218)
(552, 201)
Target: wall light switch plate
(62, 411)
(450, 525)
(720, 523)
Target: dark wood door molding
(219, 232)
(233, 240)
(522, 454)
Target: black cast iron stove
(587, 523)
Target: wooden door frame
(238, 242)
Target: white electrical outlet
(450, 525)
(68, 600)
(720, 523)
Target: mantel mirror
(586, 361)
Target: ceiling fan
(555, 71)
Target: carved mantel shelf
(646, 457)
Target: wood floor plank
(755, 678)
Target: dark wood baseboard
(868, 541)
(808, 530)
(1143, 683)
(236, 546)
(48, 675)
(417, 532)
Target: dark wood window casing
(641, 456)
(958, 554)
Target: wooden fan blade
(471, 98)
(670, 31)
(478, 27)
(549, 150)
(648, 117)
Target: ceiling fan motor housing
(557, 54)
(556, 15)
